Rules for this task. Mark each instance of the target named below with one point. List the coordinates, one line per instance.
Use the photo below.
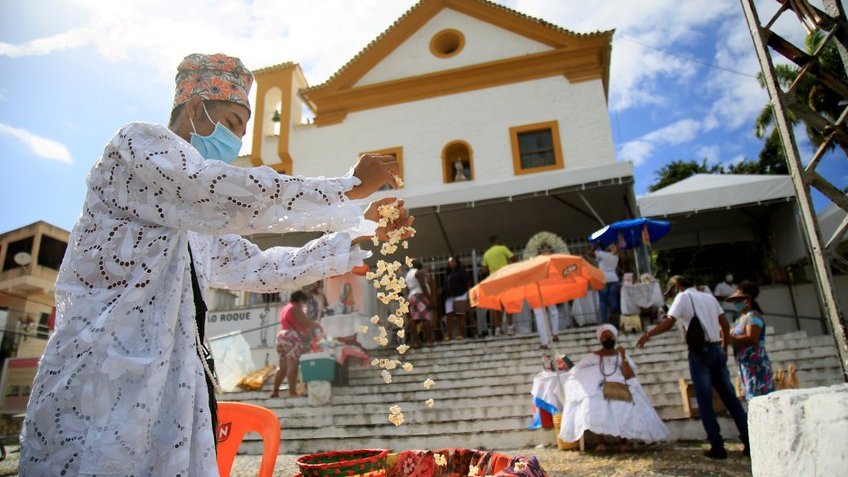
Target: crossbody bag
(614, 391)
(695, 338)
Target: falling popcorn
(473, 470)
(390, 288)
(396, 419)
(440, 459)
(520, 465)
(363, 329)
(408, 261)
(429, 402)
(398, 180)
(375, 362)
(429, 383)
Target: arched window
(271, 119)
(457, 162)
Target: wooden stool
(687, 394)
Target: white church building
(499, 120)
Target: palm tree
(819, 98)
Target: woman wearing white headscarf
(602, 395)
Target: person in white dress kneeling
(602, 395)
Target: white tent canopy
(703, 192)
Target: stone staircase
(482, 393)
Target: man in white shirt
(609, 296)
(707, 365)
(724, 290)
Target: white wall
(776, 300)
(480, 117)
(484, 42)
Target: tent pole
(547, 322)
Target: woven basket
(353, 463)
(561, 444)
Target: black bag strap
(204, 354)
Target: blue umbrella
(630, 231)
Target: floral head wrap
(212, 77)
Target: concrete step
(503, 439)
(482, 393)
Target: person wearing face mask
(126, 385)
(724, 290)
(748, 339)
(707, 336)
(590, 407)
(292, 340)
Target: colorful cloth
(213, 77)
(523, 466)
(753, 361)
(419, 307)
(289, 345)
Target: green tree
(819, 98)
(676, 171)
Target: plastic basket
(357, 463)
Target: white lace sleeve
(149, 173)
(239, 264)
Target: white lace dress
(120, 389)
(586, 409)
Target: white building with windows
(499, 120)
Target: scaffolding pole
(833, 27)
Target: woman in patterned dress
(748, 338)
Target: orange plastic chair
(235, 419)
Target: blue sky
(74, 71)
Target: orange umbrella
(541, 281)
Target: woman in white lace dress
(587, 408)
(125, 386)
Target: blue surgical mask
(222, 144)
(740, 305)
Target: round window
(447, 43)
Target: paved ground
(679, 459)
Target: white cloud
(710, 153)
(677, 132)
(636, 152)
(642, 28)
(639, 150)
(320, 36)
(43, 46)
(41, 146)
